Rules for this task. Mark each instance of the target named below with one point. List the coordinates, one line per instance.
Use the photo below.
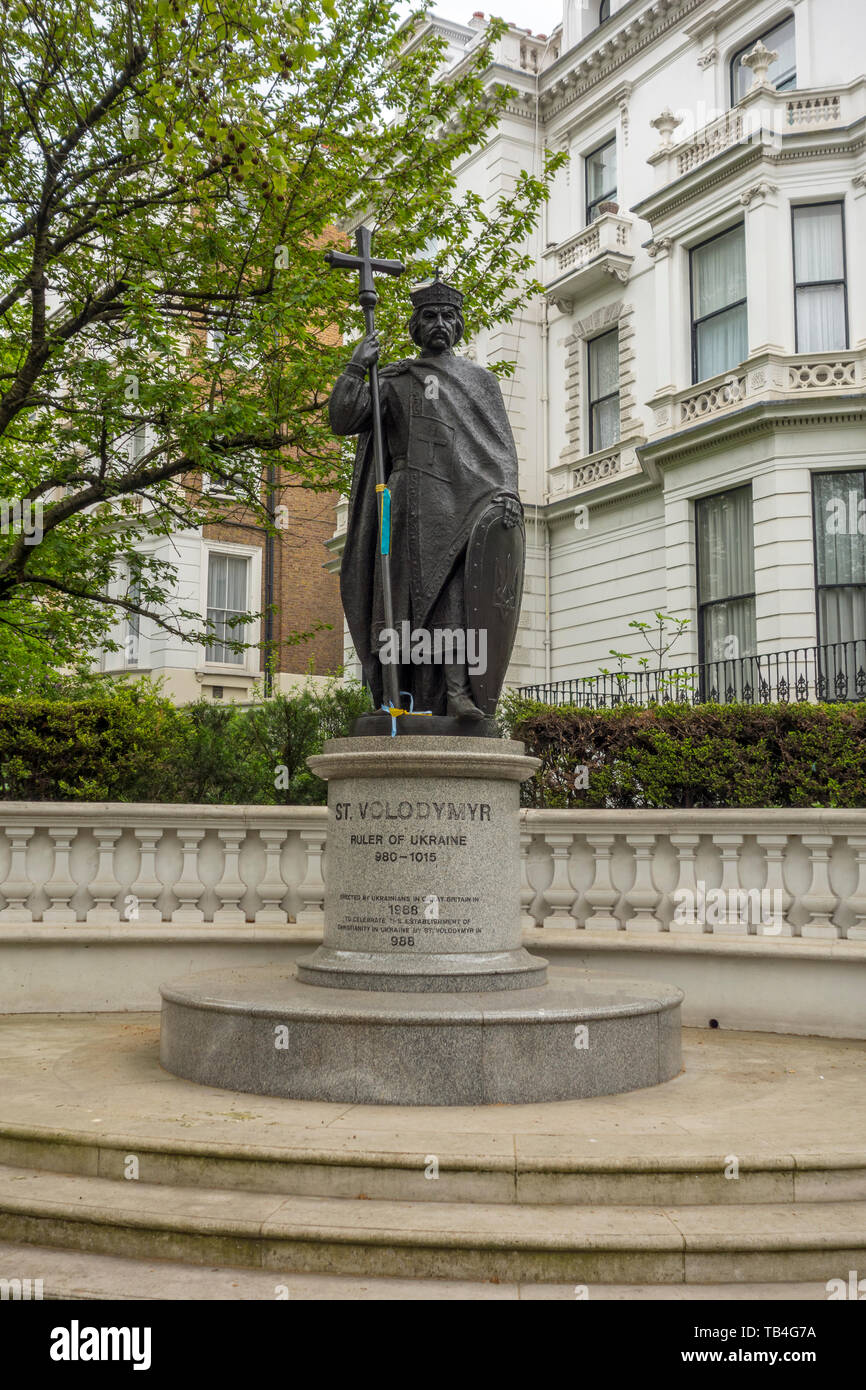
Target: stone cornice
(661, 205)
(581, 68)
(759, 417)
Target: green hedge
(693, 756)
(127, 742)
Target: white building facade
(689, 402)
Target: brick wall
(304, 592)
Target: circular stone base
(468, 972)
(263, 1031)
(378, 725)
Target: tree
(170, 174)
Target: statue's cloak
(460, 456)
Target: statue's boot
(460, 704)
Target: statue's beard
(440, 341)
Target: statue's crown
(436, 292)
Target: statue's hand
(512, 512)
(367, 351)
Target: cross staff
(366, 264)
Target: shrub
(679, 755)
(127, 742)
(119, 743)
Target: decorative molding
(600, 470)
(815, 376)
(636, 35)
(660, 247)
(760, 60)
(758, 193)
(622, 97)
(666, 122)
(712, 399)
(656, 209)
(708, 59)
(602, 320)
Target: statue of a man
(456, 517)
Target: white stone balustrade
(119, 865)
(604, 248)
(762, 115)
(759, 872)
(764, 377)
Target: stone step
(78, 1275)
(757, 1243)
(526, 1169)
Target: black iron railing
(835, 671)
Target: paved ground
(792, 1106)
(739, 1093)
(72, 1274)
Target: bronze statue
(445, 519)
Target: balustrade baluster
(560, 895)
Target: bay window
(839, 511)
(720, 338)
(820, 294)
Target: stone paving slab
(765, 1098)
(75, 1274)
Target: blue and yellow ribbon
(395, 711)
(384, 518)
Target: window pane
(729, 633)
(216, 581)
(725, 545)
(133, 623)
(719, 272)
(840, 528)
(842, 615)
(601, 173)
(821, 319)
(842, 620)
(139, 443)
(722, 343)
(605, 424)
(784, 43)
(236, 583)
(818, 253)
(603, 365)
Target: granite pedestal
(421, 992)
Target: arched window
(604, 11)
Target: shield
(495, 558)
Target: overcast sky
(540, 16)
